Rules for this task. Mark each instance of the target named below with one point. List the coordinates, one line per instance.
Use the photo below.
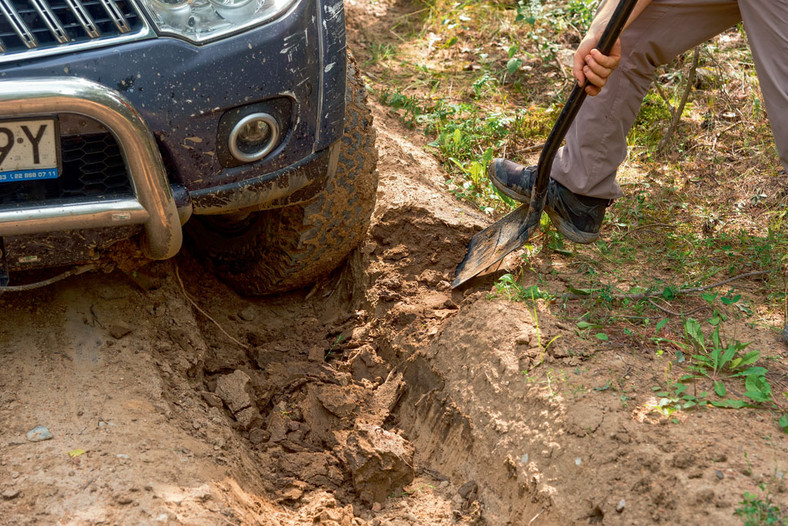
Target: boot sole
(569, 230)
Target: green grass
(482, 79)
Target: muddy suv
(124, 123)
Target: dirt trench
(380, 397)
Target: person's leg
(596, 142)
(766, 23)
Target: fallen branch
(672, 313)
(642, 227)
(194, 304)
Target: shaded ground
(380, 397)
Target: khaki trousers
(596, 142)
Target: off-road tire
(284, 249)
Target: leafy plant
(755, 511)
(508, 286)
(720, 363)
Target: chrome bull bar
(152, 206)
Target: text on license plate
(29, 150)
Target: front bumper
(152, 205)
(163, 100)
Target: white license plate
(29, 150)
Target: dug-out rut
(378, 397)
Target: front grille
(93, 167)
(45, 24)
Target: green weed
(718, 363)
(755, 511)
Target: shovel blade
(493, 244)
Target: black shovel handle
(572, 106)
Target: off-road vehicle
(239, 122)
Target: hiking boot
(512, 179)
(577, 217)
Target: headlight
(203, 20)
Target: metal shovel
(511, 232)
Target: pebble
(123, 499)
(719, 474)
(248, 314)
(258, 436)
(119, 330)
(11, 494)
(621, 505)
(785, 335)
(467, 489)
(212, 399)
(39, 433)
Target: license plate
(29, 150)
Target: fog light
(253, 137)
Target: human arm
(589, 63)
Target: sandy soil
(381, 397)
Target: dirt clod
(9, 494)
(233, 389)
(380, 462)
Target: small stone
(249, 418)
(258, 436)
(785, 335)
(119, 330)
(123, 499)
(376, 507)
(11, 494)
(212, 399)
(621, 505)
(39, 433)
(468, 489)
(719, 474)
(248, 314)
